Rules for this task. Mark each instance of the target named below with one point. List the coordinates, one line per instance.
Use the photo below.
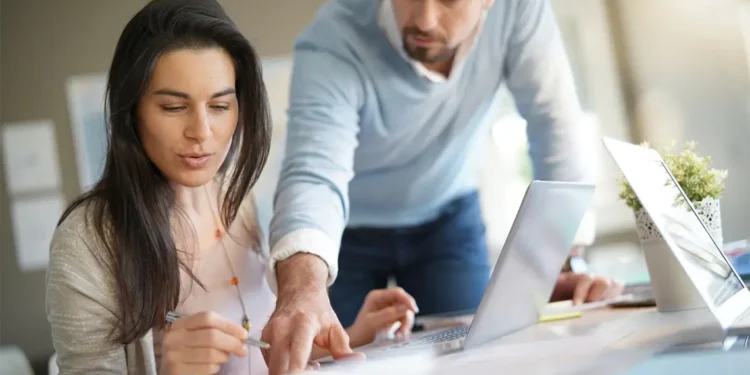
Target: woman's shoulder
(78, 239)
(82, 303)
(80, 264)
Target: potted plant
(702, 184)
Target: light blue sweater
(372, 143)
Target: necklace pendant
(246, 323)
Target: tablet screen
(705, 262)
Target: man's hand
(585, 288)
(303, 316)
(381, 310)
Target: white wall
(691, 78)
(276, 74)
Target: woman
(170, 226)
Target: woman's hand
(199, 344)
(381, 310)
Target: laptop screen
(704, 261)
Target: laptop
(526, 271)
(705, 264)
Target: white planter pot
(709, 211)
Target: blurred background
(646, 70)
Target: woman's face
(188, 114)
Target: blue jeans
(443, 263)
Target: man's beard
(429, 55)
(434, 55)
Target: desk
(603, 341)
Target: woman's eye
(220, 107)
(172, 108)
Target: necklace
(235, 280)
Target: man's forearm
(301, 272)
(302, 253)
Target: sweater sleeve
(81, 306)
(311, 203)
(561, 141)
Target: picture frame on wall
(86, 99)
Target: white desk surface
(602, 341)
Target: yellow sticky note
(556, 317)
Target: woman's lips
(195, 161)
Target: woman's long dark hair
(131, 205)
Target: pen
(172, 316)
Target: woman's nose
(199, 127)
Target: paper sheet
(30, 157)
(34, 223)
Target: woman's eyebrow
(184, 95)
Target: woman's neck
(196, 217)
(195, 200)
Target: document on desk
(412, 364)
(550, 356)
(544, 349)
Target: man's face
(432, 30)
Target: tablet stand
(672, 288)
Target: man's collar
(387, 22)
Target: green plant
(692, 172)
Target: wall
(588, 38)
(690, 77)
(43, 43)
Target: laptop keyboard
(436, 338)
(639, 290)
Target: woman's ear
(487, 4)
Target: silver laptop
(527, 268)
(702, 259)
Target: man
(387, 103)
